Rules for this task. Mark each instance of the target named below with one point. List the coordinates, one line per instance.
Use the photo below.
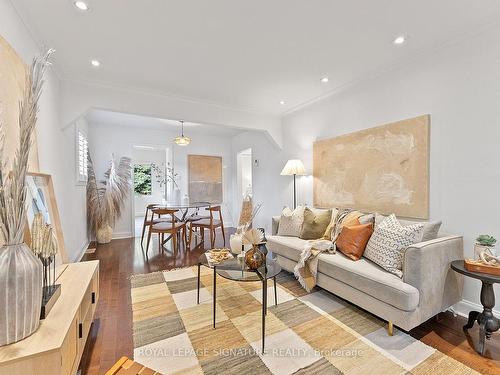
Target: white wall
(55, 146)
(106, 139)
(460, 87)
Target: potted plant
(484, 244)
(20, 270)
(105, 198)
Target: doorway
(244, 177)
(149, 186)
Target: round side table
(488, 323)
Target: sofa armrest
(275, 225)
(427, 267)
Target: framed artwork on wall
(12, 75)
(383, 169)
(205, 178)
(40, 198)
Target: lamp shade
(293, 166)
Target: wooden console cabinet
(57, 346)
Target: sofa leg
(390, 329)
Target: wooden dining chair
(172, 227)
(211, 224)
(147, 219)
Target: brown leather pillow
(353, 239)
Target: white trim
(463, 308)
(83, 249)
(122, 235)
(80, 179)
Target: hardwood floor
(111, 334)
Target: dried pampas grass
(252, 237)
(105, 199)
(13, 183)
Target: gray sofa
(428, 285)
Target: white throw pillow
(291, 222)
(389, 242)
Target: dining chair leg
(159, 243)
(143, 231)
(184, 231)
(174, 242)
(149, 240)
(212, 237)
(223, 234)
(190, 235)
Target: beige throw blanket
(306, 269)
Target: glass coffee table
(235, 269)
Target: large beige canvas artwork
(205, 178)
(12, 73)
(383, 169)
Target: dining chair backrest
(149, 211)
(165, 211)
(212, 210)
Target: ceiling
(245, 54)
(98, 116)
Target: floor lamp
(294, 168)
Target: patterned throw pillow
(291, 222)
(389, 242)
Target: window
(142, 179)
(82, 150)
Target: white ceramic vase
(104, 235)
(236, 245)
(21, 281)
(478, 249)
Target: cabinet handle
(93, 297)
(80, 330)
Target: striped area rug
(306, 333)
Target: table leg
(198, 295)
(215, 292)
(264, 311)
(488, 323)
(275, 292)
(472, 319)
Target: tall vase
(104, 235)
(20, 293)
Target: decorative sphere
(254, 258)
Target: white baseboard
(82, 251)
(464, 307)
(121, 235)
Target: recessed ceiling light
(282, 102)
(95, 63)
(400, 40)
(324, 80)
(82, 5)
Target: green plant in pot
(20, 270)
(485, 244)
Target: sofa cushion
(431, 228)
(288, 247)
(371, 279)
(315, 223)
(389, 242)
(353, 239)
(291, 221)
